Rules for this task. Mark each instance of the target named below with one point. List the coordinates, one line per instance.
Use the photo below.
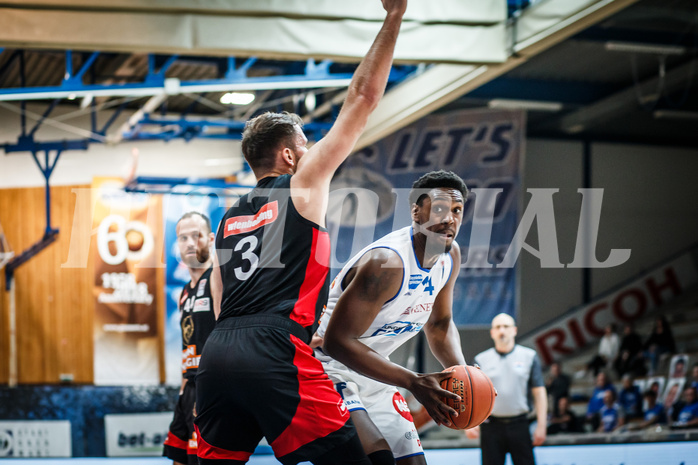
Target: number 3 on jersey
(247, 246)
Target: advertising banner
(126, 254)
(369, 199)
(40, 438)
(137, 434)
(584, 325)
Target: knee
(382, 457)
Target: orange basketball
(476, 392)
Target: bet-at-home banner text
(369, 199)
(126, 258)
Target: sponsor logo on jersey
(187, 325)
(415, 280)
(202, 305)
(243, 224)
(401, 407)
(419, 308)
(411, 435)
(342, 407)
(397, 327)
(190, 359)
(202, 287)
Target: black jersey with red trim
(196, 320)
(273, 261)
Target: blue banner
(177, 274)
(369, 199)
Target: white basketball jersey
(404, 315)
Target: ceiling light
(655, 49)
(675, 114)
(535, 105)
(310, 102)
(237, 98)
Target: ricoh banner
(127, 253)
(369, 199)
(137, 434)
(40, 438)
(584, 325)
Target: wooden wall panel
(54, 304)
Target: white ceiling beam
(263, 36)
(441, 11)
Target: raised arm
(441, 331)
(376, 280)
(316, 167)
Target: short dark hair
(263, 135)
(650, 393)
(434, 180)
(193, 213)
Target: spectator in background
(563, 420)
(608, 350)
(597, 399)
(688, 416)
(660, 342)
(630, 398)
(679, 368)
(653, 413)
(693, 380)
(612, 416)
(630, 358)
(673, 403)
(557, 385)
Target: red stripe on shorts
(315, 273)
(174, 441)
(321, 410)
(207, 451)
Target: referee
(516, 373)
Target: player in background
(382, 298)
(196, 316)
(258, 376)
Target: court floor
(666, 453)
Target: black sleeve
(536, 377)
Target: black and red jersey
(196, 320)
(273, 261)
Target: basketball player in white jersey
(383, 297)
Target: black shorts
(257, 379)
(180, 444)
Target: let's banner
(369, 199)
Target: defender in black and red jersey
(258, 377)
(194, 240)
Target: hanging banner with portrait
(369, 199)
(127, 252)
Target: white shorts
(385, 406)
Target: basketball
(476, 392)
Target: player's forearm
(371, 76)
(362, 359)
(445, 344)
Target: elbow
(366, 97)
(331, 347)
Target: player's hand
(395, 6)
(539, 435)
(427, 389)
(316, 341)
(473, 433)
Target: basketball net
(6, 252)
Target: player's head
(437, 201)
(503, 330)
(194, 238)
(274, 140)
